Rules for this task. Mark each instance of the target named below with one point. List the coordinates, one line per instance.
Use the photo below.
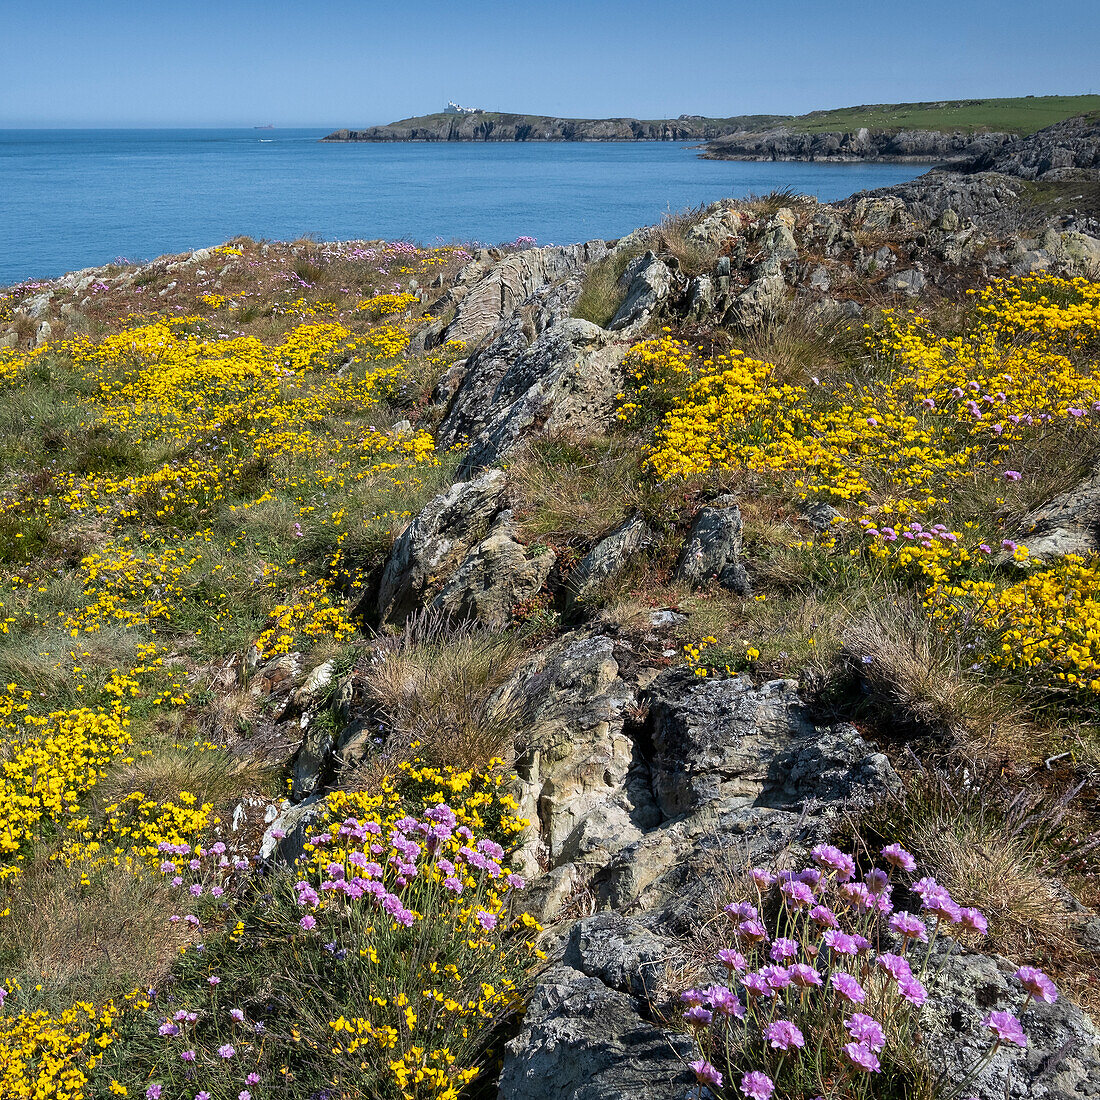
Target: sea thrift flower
(705, 1073)
(797, 893)
(833, 859)
(783, 948)
(757, 1085)
(1007, 1028)
(187, 1056)
(804, 976)
(866, 1029)
(732, 960)
(308, 922)
(752, 930)
(862, 1056)
(974, 920)
(909, 927)
(1037, 984)
(825, 917)
(782, 1035)
(226, 1051)
(698, 1016)
(847, 987)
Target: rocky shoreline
(863, 145)
(496, 126)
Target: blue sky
(332, 63)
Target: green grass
(1021, 115)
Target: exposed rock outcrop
(564, 381)
(713, 548)
(1068, 524)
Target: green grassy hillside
(1022, 115)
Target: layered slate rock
(436, 541)
(488, 292)
(564, 382)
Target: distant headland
(900, 132)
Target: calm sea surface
(76, 198)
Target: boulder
(565, 382)
(1061, 1060)
(494, 577)
(727, 741)
(910, 282)
(581, 1040)
(648, 283)
(608, 557)
(713, 547)
(436, 541)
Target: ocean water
(77, 198)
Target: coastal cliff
(904, 147)
(497, 126)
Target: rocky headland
(498, 126)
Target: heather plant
(820, 990)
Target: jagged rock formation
(1067, 524)
(1068, 150)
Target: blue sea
(77, 198)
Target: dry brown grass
(211, 776)
(1000, 852)
(673, 238)
(920, 680)
(569, 490)
(87, 942)
(433, 687)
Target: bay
(77, 198)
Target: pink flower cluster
(839, 944)
(411, 857)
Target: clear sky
(332, 63)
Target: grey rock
(294, 824)
(819, 279)
(312, 761)
(494, 576)
(435, 542)
(648, 282)
(778, 239)
(713, 547)
(701, 296)
(576, 758)
(910, 282)
(820, 516)
(608, 557)
(565, 382)
(1061, 1060)
(621, 952)
(1068, 524)
(493, 289)
(726, 740)
(761, 301)
(583, 1041)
